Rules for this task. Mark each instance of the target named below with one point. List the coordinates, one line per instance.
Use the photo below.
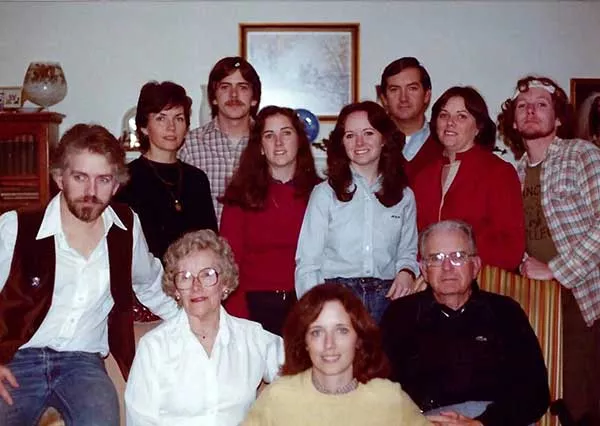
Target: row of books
(18, 156)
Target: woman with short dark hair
(469, 182)
(169, 196)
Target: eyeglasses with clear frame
(207, 277)
(456, 258)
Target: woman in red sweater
(470, 182)
(263, 210)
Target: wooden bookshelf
(25, 143)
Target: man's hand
(533, 268)
(7, 375)
(452, 418)
(403, 285)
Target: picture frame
(11, 97)
(314, 66)
(581, 89)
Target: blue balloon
(311, 123)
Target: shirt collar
(52, 224)
(416, 141)
(433, 306)
(553, 148)
(459, 156)
(223, 334)
(358, 179)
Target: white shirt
(174, 382)
(358, 238)
(413, 143)
(81, 301)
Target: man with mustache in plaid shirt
(561, 195)
(234, 90)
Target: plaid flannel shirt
(212, 151)
(570, 184)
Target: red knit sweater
(264, 244)
(486, 194)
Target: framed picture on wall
(10, 97)
(311, 66)
(585, 97)
(582, 88)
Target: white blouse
(174, 382)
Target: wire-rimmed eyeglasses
(456, 258)
(207, 277)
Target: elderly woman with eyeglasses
(203, 366)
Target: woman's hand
(7, 375)
(403, 285)
(452, 418)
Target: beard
(531, 134)
(87, 208)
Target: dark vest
(27, 294)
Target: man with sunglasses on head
(465, 356)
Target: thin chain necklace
(347, 388)
(176, 193)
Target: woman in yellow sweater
(334, 371)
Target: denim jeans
(371, 291)
(75, 383)
(469, 409)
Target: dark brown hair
(249, 186)
(399, 65)
(562, 109)
(391, 162)
(228, 66)
(154, 97)
(92, 138)
(475, 104)
(369, 360)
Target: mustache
(89, 199)
(235, 102)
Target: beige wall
(109, 49)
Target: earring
(225, 294)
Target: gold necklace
(176, 196)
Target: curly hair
(191, 243)
(369, 360)
(227, 66)
(249, 185)
(475, 104)
(94, 139)
(391, 162)
(154, 97)
(562, 109)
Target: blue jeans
(75, 383)
(371, 291)
(469, 409)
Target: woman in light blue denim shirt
(360, 225)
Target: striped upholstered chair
(541, 301)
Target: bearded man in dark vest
(67, 279)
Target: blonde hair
(194, 242)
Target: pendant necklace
(173, 188)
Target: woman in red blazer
(470, 182)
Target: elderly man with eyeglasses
(465, 356)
